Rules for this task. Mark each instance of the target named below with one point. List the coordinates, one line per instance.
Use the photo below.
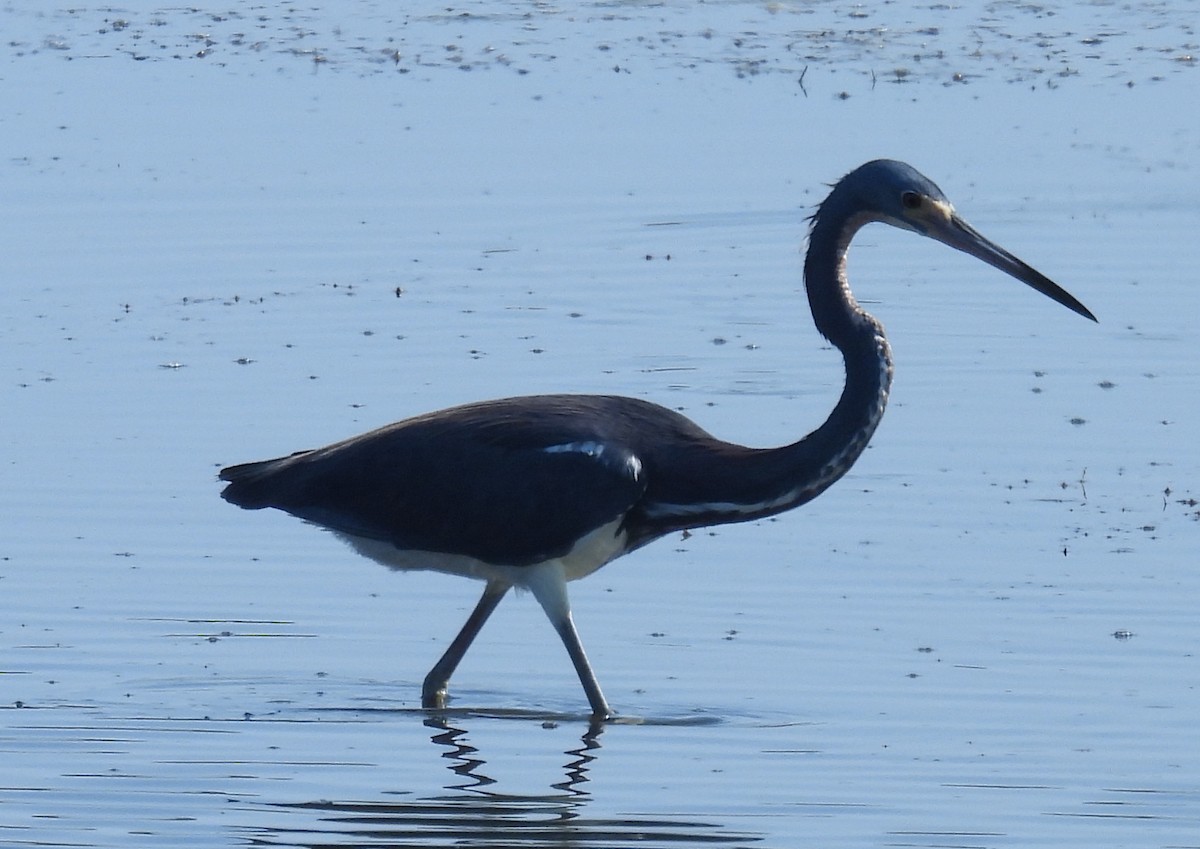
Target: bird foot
(434, 698)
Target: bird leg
(433, 691)
(547, 581)
(566, 630)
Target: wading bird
(534, 492)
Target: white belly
(589, 554)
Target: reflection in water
(476, 813)
(461, 754)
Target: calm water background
(228, 235)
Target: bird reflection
(461, 754)
(476, 812)
(466, 764)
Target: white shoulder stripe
(590, 448)
(595, 450)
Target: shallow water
(233, 235)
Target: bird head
(898, 194)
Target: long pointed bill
(956, 233)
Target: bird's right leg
(548, 584)
(433, 692)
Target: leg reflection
(467, 765)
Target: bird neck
(835, 312)
(712, 482)
(859, 336)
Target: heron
(534, 492)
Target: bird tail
(254, 485)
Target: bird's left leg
(433, 692)
(547, 581)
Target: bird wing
(499, 494)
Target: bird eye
(910, 200)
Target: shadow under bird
(538, 491)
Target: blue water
(230, 235)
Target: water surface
(230, 235)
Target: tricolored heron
(537, 491)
